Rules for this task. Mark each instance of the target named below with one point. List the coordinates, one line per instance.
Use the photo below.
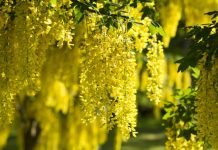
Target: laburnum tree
(69, 72)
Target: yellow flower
(108, 79)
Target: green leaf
(53, 3)
(196, 72)
(78, 16)
(190, 60)
(115, 24)
(214, 14)
(129, 25)
(161, 31)
(148, 12)
(134, 4)
(167, 116)
(155, 28)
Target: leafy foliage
(203, 37)
(111, 12)
(180, 117)
(155, 28)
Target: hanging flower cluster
(51, 129)
(170, 14)
(140, 30)
(27, 30)
(172, 11)
(80, 136)
(39, 62)
(144, 40)
(4, 134)
(207, 102)
(108, 79)
(195, 13)
(155, 70)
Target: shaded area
(146, 141)
(150, 137)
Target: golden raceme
(174, 11)
(195, 14)
(170, 15)
(108, 79)
(155, 71)
(24, 40)
(207, 101)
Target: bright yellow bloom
(206, 103)
(108, 79)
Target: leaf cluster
(111, 12)
(180, 117)
(204, 39)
